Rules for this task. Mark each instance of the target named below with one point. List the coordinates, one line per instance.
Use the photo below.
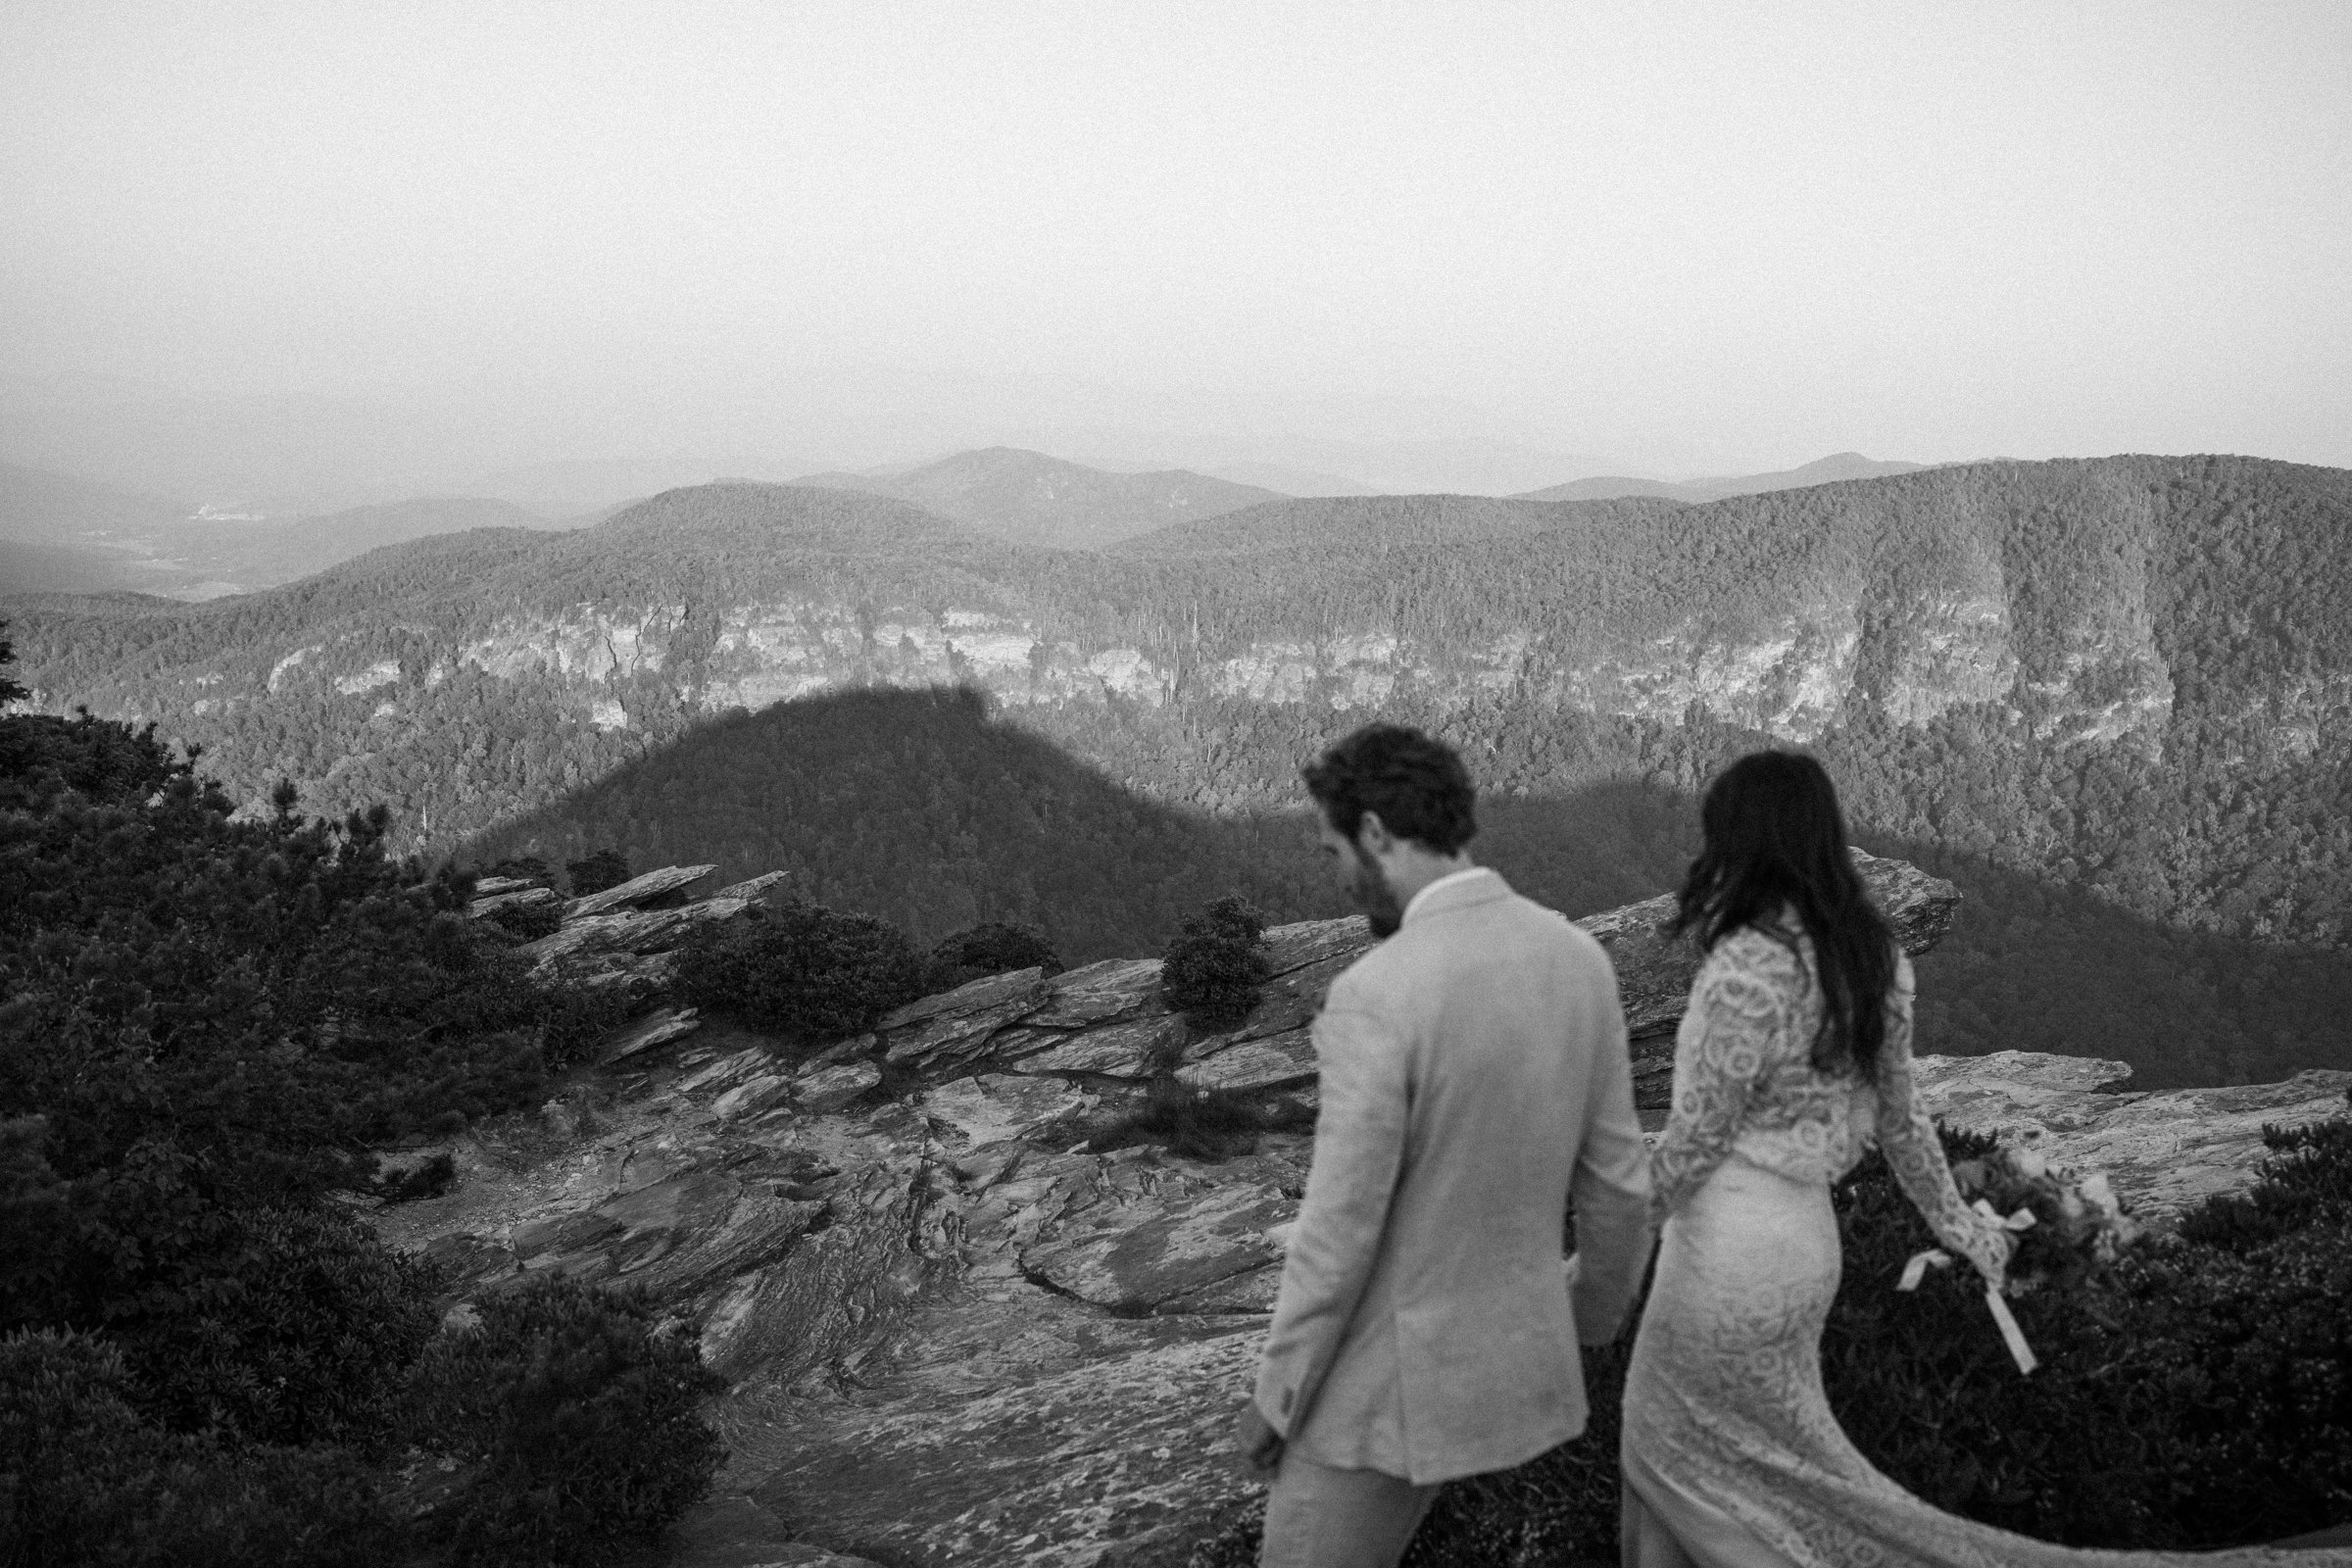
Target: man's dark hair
(1416, 786)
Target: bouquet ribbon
(1935, 1257)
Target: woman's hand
(1989, 1249)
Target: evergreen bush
(605, 868)
(1214, 970)
(993, 948)
(800, 969)
(85, 1483)
(297, 1328)
(582, 1417)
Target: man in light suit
(1475, 1087)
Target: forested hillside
(921, 809)
(2131, 676)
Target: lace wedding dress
(1730, 1456)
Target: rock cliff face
(957, 1335)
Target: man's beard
(1372, 895)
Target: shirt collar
(1448, 880)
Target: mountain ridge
(1836, 468)
(1030, 498)
(2131, 674)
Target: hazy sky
(1709, 238)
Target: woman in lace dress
(1796, 1049)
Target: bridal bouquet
(2066, 1229)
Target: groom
(1475, 1087)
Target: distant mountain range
(62, 534)
(2130, 675)
(1032, 499)
(1832, 470)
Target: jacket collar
(1455, 890)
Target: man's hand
(1259, 1444)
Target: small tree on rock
(990, 948)
(800, 969)
(605, 868)
(1215, 969)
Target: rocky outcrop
(957, 1334)
(2165, 1151)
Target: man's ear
(1372, 835)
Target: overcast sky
(1721, 237)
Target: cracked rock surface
(956, 1336)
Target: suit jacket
(1475, 1087)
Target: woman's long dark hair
(1776, 840)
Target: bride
(1796, 1049)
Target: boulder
(486, 887)
(637, 890)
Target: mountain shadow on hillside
(923, 809)
(928, 810)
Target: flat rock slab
(1120, 1461)
(1296, 945)
(995, 1108)
(949, 1040)
(824, 1089)
(1102, 993)
(983, 995)
(1281, 1062)
(1136, 1256)
(522, 898)
(637, 890)
(1137, 1048)
(2166, 1153)
(656, 1028)
(751, 888)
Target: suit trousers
(1319, 1517)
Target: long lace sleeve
(1728, 1041)
(1916, 1153)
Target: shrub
(432, 1179)
(605, 868)
(526, 922)
(525, 867)
(1198, 1124)
(800, 970)
(84, 1481)
(297, 1328)
(1214, 970)
(981, 950)
(581, 1416)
